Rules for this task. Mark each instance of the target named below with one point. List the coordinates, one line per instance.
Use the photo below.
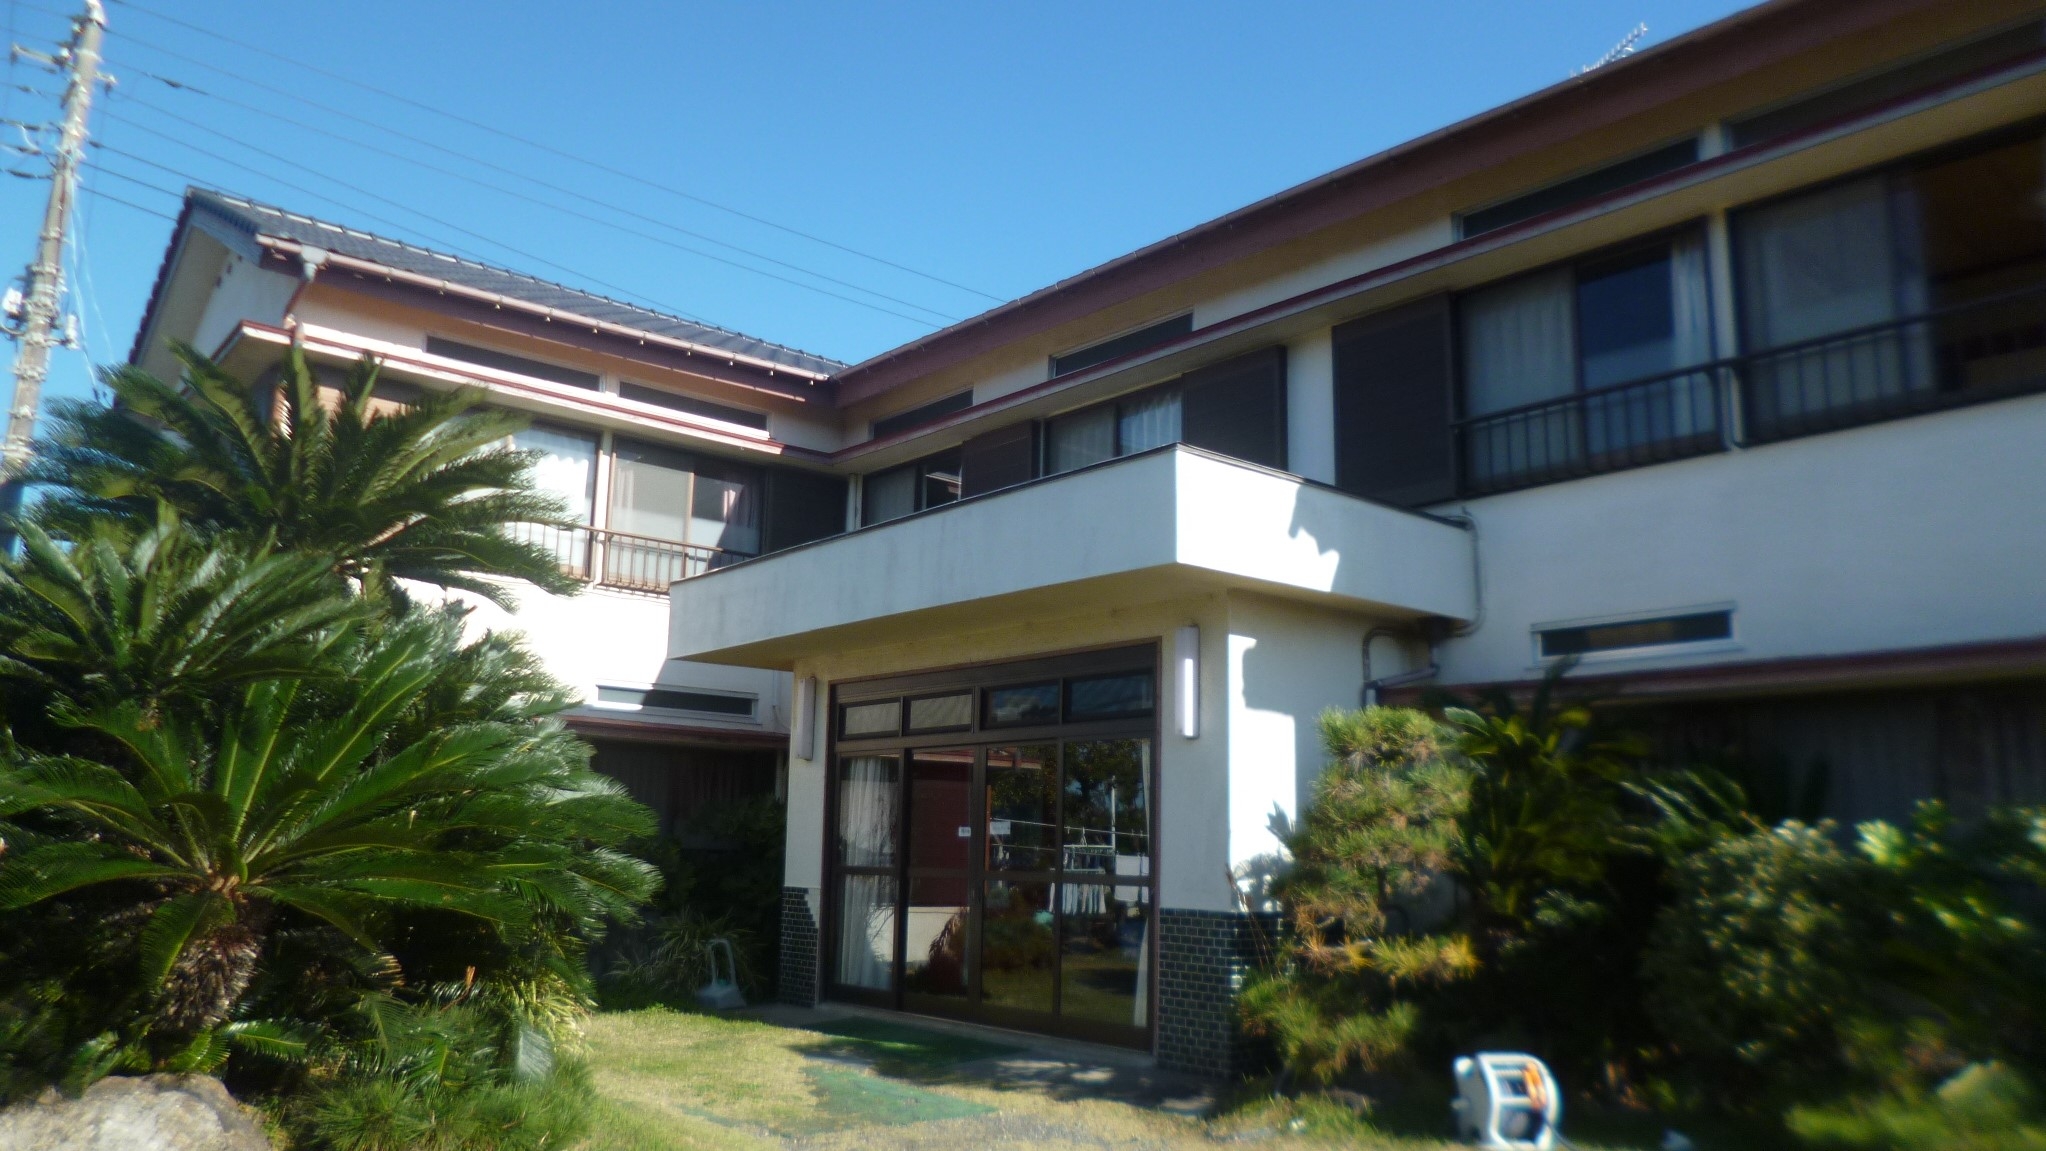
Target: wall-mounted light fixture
(1186, 665)
(803, 723)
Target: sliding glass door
(994, 862)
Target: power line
(348, 208)
(548, 204)
(404, 207)
(550, 149)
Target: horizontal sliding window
(1888, 83)
(866, 719)
(1127, 344)
(1027, 704)
(1598, 182)
(1897, 292)
(1236, 407)
(694, 406)
(1579, 368)
(931, 482)
(1693, 627)
(919, 416)
(941, 712)
(671, 699)
(1109, 697)
(682, 497)
(507, 362)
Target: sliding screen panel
(1395, 405)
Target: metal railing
(1647, 421)
(1946, 357)
(622, 560)
(1980, 350)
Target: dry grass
(671, 1081)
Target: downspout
(1373, 684)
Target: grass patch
(899, 1049)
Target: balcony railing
(1646, 421)
(1982, 350)
(623, 560)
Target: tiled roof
(265, 220)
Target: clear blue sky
(1001, 147)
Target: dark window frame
(1713, 626)
(692, 405)
(1604, 179)
(1128, 343)
(513, 362)
(900, 748)
(920, 415)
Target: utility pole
(43, 296)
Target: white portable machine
(1506, 1100)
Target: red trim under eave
(640, 731)
(1708, 56)
(2002, 659)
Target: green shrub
(1758, 968)
(1986, 1107)
(1379, 838)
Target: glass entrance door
(993, 854)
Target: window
(1237, 408)
(676, 496)
(919, 416)
(941, 712)
(670, 699)
(1586, 639)
(507, 362)
(1578, 368)
(692, 405)
(1889, 83)
(1895, 292)
(929, 483)
(566, 468)
(1610, 178)
(1127, 344)
(865, 719)
(1016, 706)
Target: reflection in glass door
(1003, 873)
(936, 921)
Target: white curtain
(1148, 421)
(1519, 347)
(1836, 260)
(1693, 406)
(866, 932)
(566, 468)
(867, 798)
(1080, 439)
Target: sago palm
(306, 804)
(163, 617)
(424, 491)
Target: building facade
(1716, 371)
(677, 448)
(1719, 372)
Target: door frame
(980, 736)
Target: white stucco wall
(1310, 406)
(617, 638)
(1288, 662)
(1914, 533)
(245, 291)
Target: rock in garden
(157, 1112)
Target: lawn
(670, 1080)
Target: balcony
(622, 560)
(1167, 524)
(1967, 353)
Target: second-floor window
(1895, 292)
(681, 497)
(1585, 360)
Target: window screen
(1590, 185)
(507, 362)
(1129, 343)
(694, 406)
(919, 416)
(884, 718)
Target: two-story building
(1717, 369)
(678, 447)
